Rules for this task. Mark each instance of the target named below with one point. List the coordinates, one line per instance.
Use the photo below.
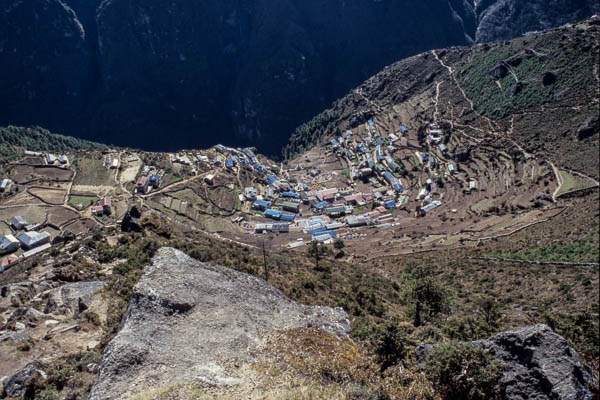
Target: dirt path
(377, 107)
(559, 181)
(172, 185)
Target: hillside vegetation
(540, 91)
(14, 140)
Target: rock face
(506, 19)
(539, 365)
(189, 322)
(129, 72)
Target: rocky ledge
(539, 364)
(192, 323)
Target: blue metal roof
(275, 214)
(290, 194)
(320, 205)
(288, 217)
(262, 203)
(316, 231)
(271, 179)
(403, 128)
(398, 187)
(371, 122)
(390, 204)
(325, 232)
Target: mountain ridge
(126, 73)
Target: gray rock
(187, 320)
(17, 384)
(540, 365)
(71, 298)
(590, 126)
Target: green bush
(390, 344)
(461, 371)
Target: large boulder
(589, 127)
(540, 365)
(188, 322)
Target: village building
(275, 227)
(8, 261)
(8, 244)
(114, 162)
(209, 179)
(18, 222)
(289, 206)
(50, 158)
(36, 250)
(261, 205)
(33, 153)
(336, 211)
(154, 180)
(431, 206)
(29, 240)
(354, 221)
(32, 227)
(142, 184)
(63, 159)
(251, 193)
(5, 184)
(104, 206)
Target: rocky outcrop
(539, 364)
(589, 127)
(71, 298)
(189, 322)
(506, 19)
(23, 382)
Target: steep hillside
(527, 16)
(14, 140)
(538, 94)
(129, 72)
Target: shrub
(389, 344)
(339, 244)
(461, 371)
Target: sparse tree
(425, 293)
(339, 244)
(316, 250)
(489, 309)
(266, 266)
(389, 344)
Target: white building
(8, 244)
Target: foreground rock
(191, 323)
(539, 365)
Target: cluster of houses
(30, 240)
(371, 161)
(52, 159)
(225, 157)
